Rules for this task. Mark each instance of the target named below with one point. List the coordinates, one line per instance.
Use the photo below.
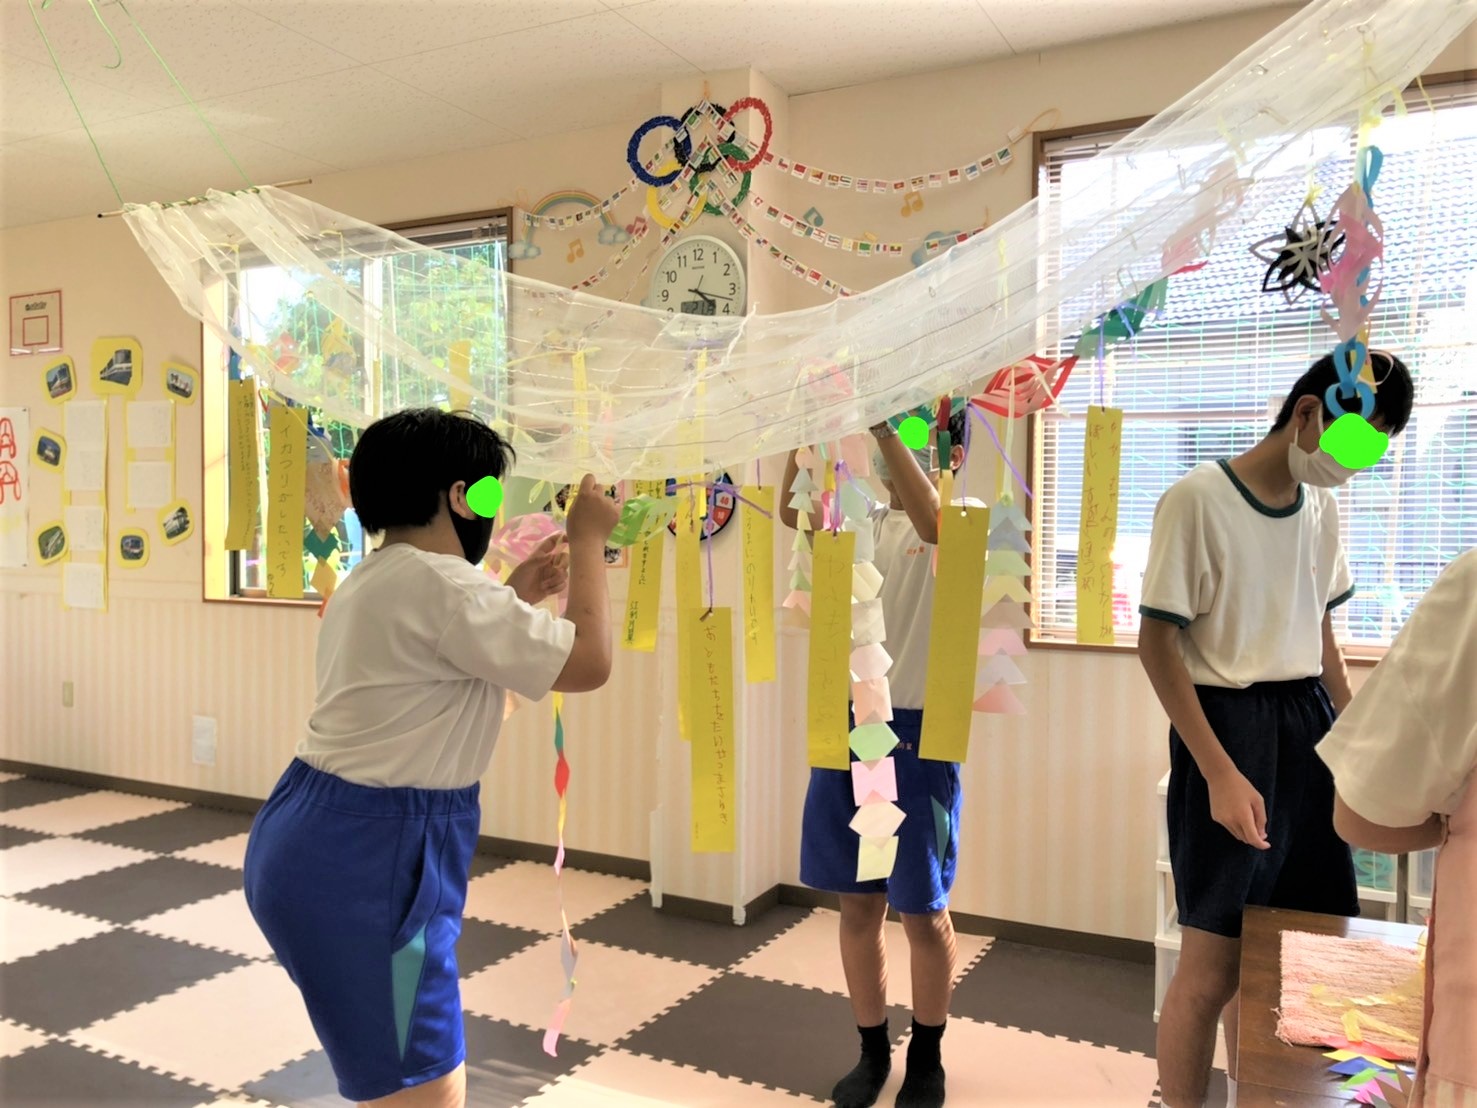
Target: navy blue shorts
(360, 893)
(928, 838)
(1269, 730)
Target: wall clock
(721, 506)
(701, 276)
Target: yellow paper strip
(689, 599)
(581, 383)
(758, 553)
(1098, 530)
(829, 686)
(953, 643)
(286, 492)
(459, 359)
(714, 804)
(243, 482)
(644, 595)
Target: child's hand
(1238, 807)
(593, 515)
(543, 574)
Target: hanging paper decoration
(1005, 620)
(1098, 528)
(952, 642)
(758, 571)
(1028, 386)
(831, 635)
(1296, 257)
(568, 952)
(714, 803)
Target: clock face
(700, 276)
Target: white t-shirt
(906, 564)
(1407, 745)
(415, 656)
(1247, 584)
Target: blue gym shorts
(928, 838)
(360, 893)
(1269, 730)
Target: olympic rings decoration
(682, 144)
(633, 150)
(654, 204)
(730, 151)
(763, 109)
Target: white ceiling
(298, 88)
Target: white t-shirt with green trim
(1248, 585)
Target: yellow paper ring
(654, 204)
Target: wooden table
(1271, 1074)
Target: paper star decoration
(1297, 256)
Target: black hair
(405, 464)
(1392, 399)
(958, 423)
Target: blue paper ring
(1372, 158)
(1334, 398)
(633, 149)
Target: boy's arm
(788, 515)
(1335, 672)
(588, 609)
(1359, 832)
(920, 499)
(1235, 804)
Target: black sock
(860, 1087)
(923, 1086)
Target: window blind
(1204, 380)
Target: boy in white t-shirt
(1245, 568)
(358, 863)
(1403, 759)
(905, 533)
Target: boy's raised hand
(543, 574)
(593, 515)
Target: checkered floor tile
(131, 973)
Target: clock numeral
(697, 253)
(666, 295)
(728, 271)
(671, 276)
(681, 261)
(728, 309)
(732, 288)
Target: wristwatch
(883, 431)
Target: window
(263, 306)
(1200, 384)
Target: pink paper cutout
(869, 662)
(998, 700)
(874, 781)
(556, 1027)
(798, 599)
(1001, 640)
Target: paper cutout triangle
(798, 600)
(869, 662)
(804, 482)
(1001, 640)
(800, 542)
(1006, 613)
(1006, 563)
(801, 559)
(998, 700)
(1000, 669)
(1008, 515)
(1008, 538)
(877, 821)
(875, 858)
(1006, 588)
(799, 581)
(802, 522)
(872, 741)
(802, 502)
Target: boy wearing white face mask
(1245, 568)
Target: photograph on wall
(176, 522)
(61, 380)
(51, 543)
(133, 549)
(181, 382)
(117, 366)
(50, 449)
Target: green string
(57, 65)
(188, 99)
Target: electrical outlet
(202, 740)
(67, 699)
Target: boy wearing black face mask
(357, 865)
(1245, 568)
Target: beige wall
(1059, 821)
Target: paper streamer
(644, 596)
(758, 572)
(714, 802)
(830, 647)
(568, 952)
(243, 485)
(689, 599)
(952, 642)
(286, 492)
(1098, 529)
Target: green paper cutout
(872, 741)
(321, 548)
(941, 824)
(641, 518)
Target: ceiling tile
(827, 44)
(593, 103)
(374, 30)
(33, 101)
(60, 188)
(580, 59)
(1031, 25)
(356, 118)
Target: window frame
(1355, 654)
(221, 568)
